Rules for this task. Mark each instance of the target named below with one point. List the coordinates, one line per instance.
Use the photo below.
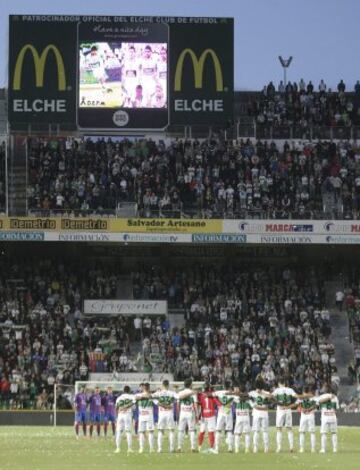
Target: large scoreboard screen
(120, 72)
(123, 75)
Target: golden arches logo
(198, 65)
(39, 64)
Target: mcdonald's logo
(39, 64)
(198, 65)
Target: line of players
(215, 412)
(143, 79)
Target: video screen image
(123, 75)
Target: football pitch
(38, 448)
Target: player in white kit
(124, 406)
(95, 63)
(328, 404)
(187, 400)
(225, 420)
(166, 399)
(285, 398)
(260, 402)
(307, 405)
(242, 421)
(162, 72)
(148, 74)
(146, 417)
(130, 73)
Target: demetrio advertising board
(175, 231)
(120, 72)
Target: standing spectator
(339, 297)
(341, 86)
(138, 327)
(322, 86)
(147, 326)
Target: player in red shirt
(207, 403)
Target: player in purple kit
(80, 411)
(95, 411)
(108, 402)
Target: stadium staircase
(176, 317)
(124, 288)
(344, 350)
(3, 116)
(17, 181)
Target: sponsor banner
(81, 237)
(301, 239)
(202, 73)
(42, 71)
(341, 226)
(129, 377)
(218, 238)
(343, 239)
(155, 238)
(168, 225)
(350, 227)
(283, 239)
(268, 226)
(125, 307)
(22, 236)
(99, 224)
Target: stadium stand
(284, 327)
(304, 109)
(2, 176)
(45, 338)
(208, 179)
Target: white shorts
(146, 424)
(124, 422)
(260, 423)
(328, 425)
(166, 420)
(99, 73)
(242, 424)
(186, 420)
(307, 422)
(224, 422)
(283, 418)
(208, 424)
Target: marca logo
(338, 227)
(289, 228)
(198, 65)
(199, 105)
(39, 64)
(40, 60)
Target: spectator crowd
(240, 322)
(208, 179)
(2, 177)
(44, 337)
(303, 106)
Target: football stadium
(179, 237)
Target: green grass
(38, 448)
